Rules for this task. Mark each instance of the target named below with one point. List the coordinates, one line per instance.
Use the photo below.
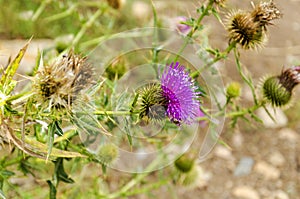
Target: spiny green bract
(275, 93)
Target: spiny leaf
(60, 172)
(52, 193)
(51, 132)
(66, 136)
(53, 128)
(216, 14)
(6, 173)
(12, 68)
(2, 194)
(42, 148)
(38, 64)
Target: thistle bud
(108, 153)
(185, 163)
(278, 89)
(152, 103)
(233, 90)
(116, 4)
(181, 27)
(116, 69)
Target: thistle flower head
(244, 31)
(61, 82)
(249, 28)
(265, 12)
(278, 89)
(180, 94)
(181, 27)
(152, 103)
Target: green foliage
(43, 133)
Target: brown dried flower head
(60, 83)
(249, 28)
(265, 12)
(244, 31)
(220, 2)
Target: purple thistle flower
(181, 27)
(180, 94)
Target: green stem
(85, 26)
(155, 50)
(204, 13)
(246, 110)
(61, 15)
(124, 190)
(148, 188)
(13, 161)
(40, 10)
(20, 96)
(246, 79)
(115, 113)
(216, 59)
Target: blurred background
(258, 160)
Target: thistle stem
(246, 79)
(40, 10)
(246, 110)
(115, 113)
(13, 161)
(124, 190)
(216, 59)
(188, 38)
(87, 25)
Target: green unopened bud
(278, 89)
(152, 103)
(108, 153)
(275, 93)
(185, 163)
(116, 69)
(190, 178)
(233, 90)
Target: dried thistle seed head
(290, 77)
(61, 82)
(220, 2)
(265, 12)
(244, 31)
(153, 105)
(278, 89)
